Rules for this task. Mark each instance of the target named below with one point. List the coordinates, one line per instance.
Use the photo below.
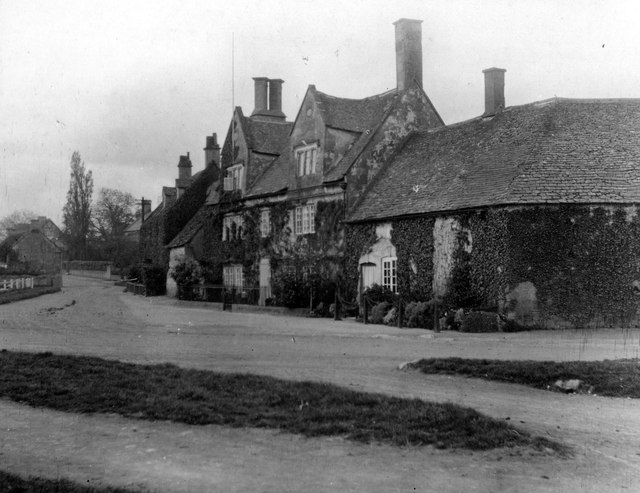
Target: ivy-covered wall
(413, 239)
(546, 266)
(579, 262)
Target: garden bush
(419, 314)
(379, 311)
(377, 294)
(480, 322)
(154, 279)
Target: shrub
(154, 279)
(419, 314)
(134, 272)
(289, 290)
(187, 272)
(379, 311)
(480, 322)
(377, 294)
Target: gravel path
(92, 317)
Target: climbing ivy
(359, 238)
(413, 239)
(583, 261)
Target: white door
(265, 280)
(368, 273)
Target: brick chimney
(184, 174)
(268, 99)
(212, 151)
(493, 90)
(408, 53)
(275, 97)
(261, 90)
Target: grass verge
(16, 484)
(612, 378)
(196, 397)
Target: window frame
(265, 223)
(233, 276)
(227, 222)
(306, 157)
(305, 219)
(389, 273)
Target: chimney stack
(184, 174)
(212, 151)
(493, 90)
(275, 97)
(260, 95)
(408, 52)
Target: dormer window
(306, 157)
(233, 178)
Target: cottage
(30, 251)
(531, 210)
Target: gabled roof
(264, 136)
(190, 230)
(549, 152)
(354, 115)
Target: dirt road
(103, 321)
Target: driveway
(94, 317)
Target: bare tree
(113, 213)
(77, 210)
(16, 217)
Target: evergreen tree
(77, 210)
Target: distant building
(30, 251)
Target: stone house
(179, 204)
(531, 210)
(30, 251)
(287, 186)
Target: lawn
(16, 484)
(196, 397)
(612, 378)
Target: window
(233, 276)
(233, 178)
(232, 227)
(306, 159)
(305, 219)
(389, 279)
(265, 223)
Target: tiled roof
(190, 230)
(355, 115)
(554, 151)
(274, 178)
(267, 137)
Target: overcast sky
(131, 84)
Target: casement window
(389, 277)
(233, 178)
(233, 276)
(306, 157)
(265, 223)
(305, 219)
(232, 227)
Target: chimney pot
(408, 52)
(260, 94)
(493, 90)
(275, 97)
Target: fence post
(366, 310)
(400, 313)
(336, 314)
(436, 316)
